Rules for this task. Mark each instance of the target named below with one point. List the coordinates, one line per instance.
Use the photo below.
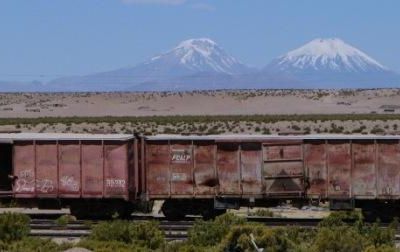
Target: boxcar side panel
(315, 162)
(24, 169)
(251, 163)
(115, 169)
(228, 169)
(364, 174)
(92, 169)
(69, 169)
(204, 169)
(157, 168)
(339, 169)
(181, 168)
(388, 169)
(283, 169)
(46, 169)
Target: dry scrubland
(374, 111)
(226, 233)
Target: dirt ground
(200, 103)
(210, 103)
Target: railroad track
(173, 230)
(47, 228)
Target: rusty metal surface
(283, 152)
(283, 169)
(205, 178)
(69, 156)
(388, 169)
(92, 169)
(157, 168)
(181, 168)
(46, 169)
(315, 162)
(339, 169)
(115, 169)
(24, 169)
(364, 170)
(251, 163)
(228, 169)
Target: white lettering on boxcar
(178, 177)
(115, 183)
(44, 185)
(69, 183)
(25, 181)
(181, 156)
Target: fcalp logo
(181, 156)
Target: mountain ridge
(197, 64)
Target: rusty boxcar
(103, 174)
(198, 174)
(89, 173)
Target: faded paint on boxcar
(339, 169)
(69, 169)
(283, 169)
(92, 169)
(388, 167)
(205, 178)
(181, 168)
(115, 169)
(251, 163)
(228, 169)
(157, 168)
(24, 169)
(363, 173)
(315, 167)
(46, 168)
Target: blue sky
(42, 39)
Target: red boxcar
(199, 174)
(233, 170)
(68, 166)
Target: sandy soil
(199, 103)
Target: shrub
(30, 244)
(13, 226)
(271, 239)
(339, 239)
(106, 246)
(63, 220)
(144, 234)
(210, 233)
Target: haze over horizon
(44, 40)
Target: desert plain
(349, 111)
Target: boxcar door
(283, 168)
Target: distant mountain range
(198, 64)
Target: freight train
(97, 175)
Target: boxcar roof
(10, 137)
(273, 137)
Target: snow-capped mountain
(190, 63)
(202, 64)
(332, 63)
(327, 55)
(199, 55)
